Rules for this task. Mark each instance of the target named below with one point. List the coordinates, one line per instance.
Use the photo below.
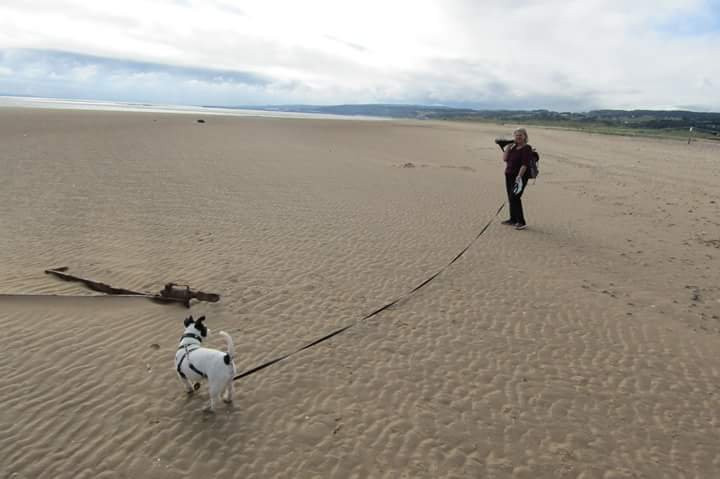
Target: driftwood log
(183, 293)
(171, 293)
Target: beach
(585, 346)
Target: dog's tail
(230, 347)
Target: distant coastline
(664, 123)
(652, 123)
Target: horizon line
(333, 105)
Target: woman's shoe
(520, 226)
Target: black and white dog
(194, 362)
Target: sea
(106, 105)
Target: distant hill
(708, 123)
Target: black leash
(377, 311)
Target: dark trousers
(516, 209)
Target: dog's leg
(214, 391)
(229, 391)
(186, 384)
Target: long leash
(376, 312)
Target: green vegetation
(661, 124)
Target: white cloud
(574, 54)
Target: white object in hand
(517, 189)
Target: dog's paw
(227, 400)
(208, 410)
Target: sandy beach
(583, 347)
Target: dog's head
(196, 326)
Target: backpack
(534, 170)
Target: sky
(524, 54)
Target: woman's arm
(506, 152)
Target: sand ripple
(582, 347)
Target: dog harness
(187, 349)
(191, 335)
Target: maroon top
(516, 158)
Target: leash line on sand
(377, 311)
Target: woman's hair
(521, 130)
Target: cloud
(69, 75)
(552, 54)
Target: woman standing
(517, 157)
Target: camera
(502, 143)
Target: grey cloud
(71, 75)
(60, 63)
(485, 85)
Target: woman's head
(520, 136)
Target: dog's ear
(188, 321)
(200, 326)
